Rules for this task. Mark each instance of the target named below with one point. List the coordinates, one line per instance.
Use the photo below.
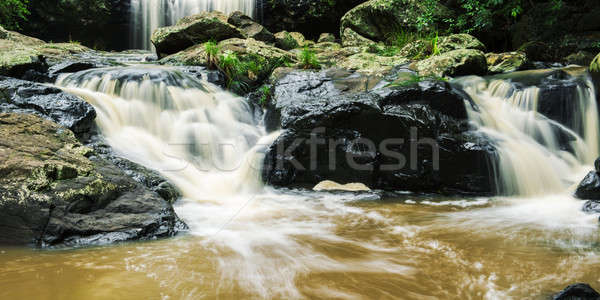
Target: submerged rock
(193, 30)
(578, 291)
(54, 191)
(19, 96)
(347, 127)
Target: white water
(530, 159)
(266, 242)
(148, 15)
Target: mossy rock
(506, 62)
(193, 56)
(285, 41)
(378, 20)
(193, 30)
(326, 38)
(459, 41)
(351, 38)
(582, 58)
(371, 64)
(454, 63)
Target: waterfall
(202, 138)
(536, 155)
(148, 15)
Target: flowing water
(148, 15)
(250, 241)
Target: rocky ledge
(56, 192)
(348, 127)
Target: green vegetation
(12, 13)
(265, 91)
(308, 59)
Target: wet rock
(339, 125)
(326, 37)
(506, 62)
(56, 192)
(249, 28)
(592, 207)
(377, 20)
(19, 96)
(193, 30)
(454, 63)
(578, 291)
(589, 187)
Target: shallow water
(319, 245)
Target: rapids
(251, 241)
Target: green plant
(231, 66)
(435, 50)
(308, 59)
(265, 91)
(12, 13)
(212, 51)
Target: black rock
(19, 96)
(578, 291)
(348, 127)
(589, 187)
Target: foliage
(212, 51)
(308, 59)
(265, 91)
(12, 13)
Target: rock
(329, 185)
(578, 291)
(55, 192)
(506, 62)
(378, 20)
(371, 64)
(326, 37)
(193, 30)
(193, 56)
(249, 28)
(459, 41)
(592, 207)
(454, 63)
(582, 58)
(299, 37)
(19, 96)
(338, 112)
(350, 39)
(589, 187)
(286, 41)
(595, 64)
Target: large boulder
(379, 20)
(249, 28)
(589, 188)
(193, 30)
(578, 291)
(54, 191)
(347, 127)
(454, 63)
(21, 96)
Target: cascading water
(536, 155)
(148, 15)
(249, 241)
